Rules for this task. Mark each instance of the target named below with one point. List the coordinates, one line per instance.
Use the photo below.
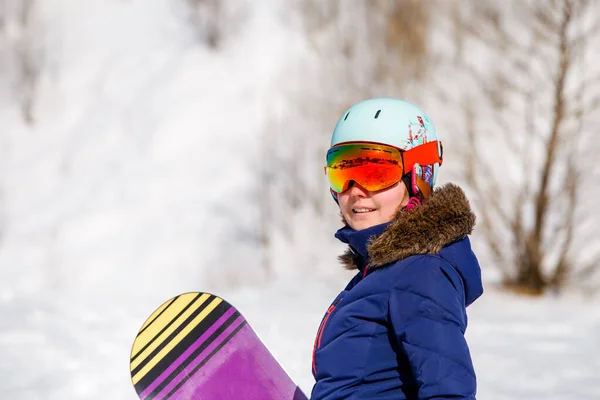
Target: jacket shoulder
(429, 275)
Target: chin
(360, 225)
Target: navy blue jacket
(397, 330)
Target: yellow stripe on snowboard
(169, 315)
(180, 336)
(157, 312)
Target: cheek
(389, 210)
(343, 202)
(391, 202)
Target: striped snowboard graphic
(196, 346)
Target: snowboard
(197, 346)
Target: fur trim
(443, 218)
(348, 259)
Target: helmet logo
(417, 133)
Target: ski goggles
(375, 166)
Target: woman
(397, 330)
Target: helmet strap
(334, 195)
(413, 203)
(423, 186)
(407, 180)
(415, 184)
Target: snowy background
(138, 181)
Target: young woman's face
(362, 209)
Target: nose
(356, 190)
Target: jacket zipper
(317, 343)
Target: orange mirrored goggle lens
(373, 166)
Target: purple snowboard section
(204, 349)
(242, 369)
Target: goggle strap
(423, 186)
(424, 154)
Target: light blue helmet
(389, 121)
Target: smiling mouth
(362, 210)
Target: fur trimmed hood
(443, 218)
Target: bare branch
(316, 15)
(471, 174)
(588, 102)
(582, 39)
(22, 53)
(526, 163)
(518, 230)
(572, 187)
(589, 269)
(495, 90)
(214, 20)
(2, 214)
(543, 24)
(493, 194)
(593, 104)
(486, 24)
(3, 17)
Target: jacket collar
(358, 242)
(443, 218)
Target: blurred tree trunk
(265, 199)
(215, 21)
(208, 20)
(21, 52)
(2, 214)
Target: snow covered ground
(133, 186)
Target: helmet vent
(346, 117)
(377, 114)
